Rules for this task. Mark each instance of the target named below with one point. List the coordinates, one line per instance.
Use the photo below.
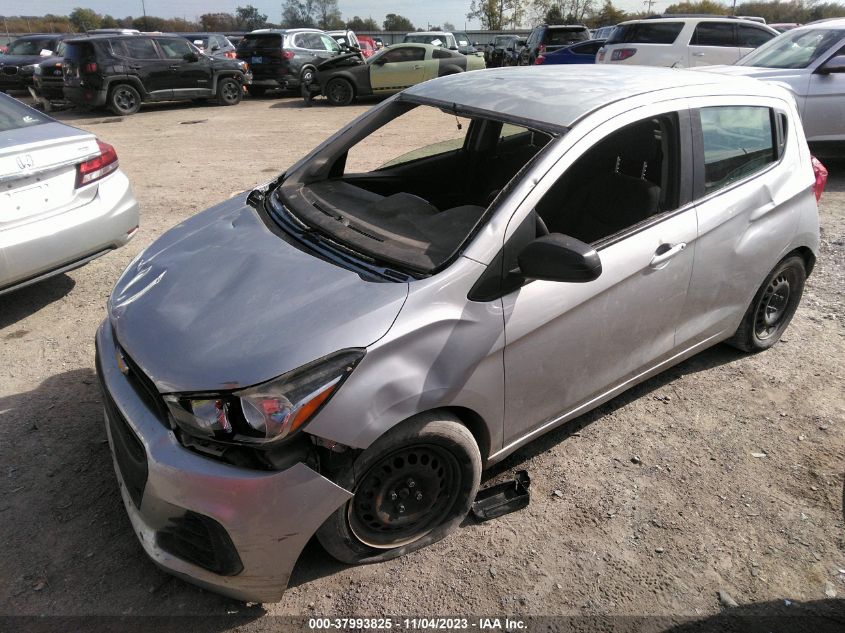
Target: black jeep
(124, 71)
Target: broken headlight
(267, 413)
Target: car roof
(428, 33)
(558, 96)
(283, 31)
(832, 23)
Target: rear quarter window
(738, 141)
(646, 33)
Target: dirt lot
(647, 506)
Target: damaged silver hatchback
(343, 350)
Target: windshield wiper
(328, 247)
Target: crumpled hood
(220, 302)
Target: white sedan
(63, 199)
(810, 62)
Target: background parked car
(580, 53)
(810, 62)
(379, 42)
(392, 69)
(284, 58)
(48, 78)
(123, 71)
(17, 65)
(212, 44)
(683, 41)
(504, 51)
(603, 32)
(64, 199)
(346, 38)
(453, 41)
(548, 38)
(367, 45)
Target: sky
(420, 13)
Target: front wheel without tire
(773, 307)
(124, 100)
(412, 487)
(339, 92)
(229, 92)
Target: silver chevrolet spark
(343, 350)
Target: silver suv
(437, 284)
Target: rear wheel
(339, 92)
(412, 487)
(307, 75)
(124, 100)
(256, 91)
(773, 307)
(229, 91)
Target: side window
(626, 178)
(404, 54)
(738, 141)
(175, 49)
(439, 53)
(140, 48)
(329, 43)
(751, 36)
(713, 34)
(299, 40)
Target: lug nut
(411, 483)
(401, 508)
(393, 496)
(419, 496)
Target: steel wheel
(773, 305)
(125, 100)
(339, 92)
(404, 495)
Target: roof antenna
(458, 121)
(455, 113)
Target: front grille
(200, 540)
(129, 453)
(10, 70)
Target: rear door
(143, 60)
(713, 43)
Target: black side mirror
(833, 65)
(191, 57)
(453, 48)
(215, 48)
(522, 42)
(510, 49)
(558, 257)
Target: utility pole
(650, 3)
(144, 10)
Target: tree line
(492, 14)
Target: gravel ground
(649, 505)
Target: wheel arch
(227, 74)
(807, 255)
(136, 83)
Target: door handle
(134, 68)
(174, 67)
(698, 54)
(664, 253)
(417, 66)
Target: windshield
(502, 41)
(200, 41)
(793, 49)
(436, 40)
(410, 187)
(14, 115)
(263, 41)
(30, 47)
(559, 37)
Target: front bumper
(18, 81)
(266, 518)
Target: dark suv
(284, 58)
(17, 66)
(123, 71)
(548, 38)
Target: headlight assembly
(267, 413)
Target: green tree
(85, 19)
(701, 6)
(212, 22)
(360, 24)
(108, 22)
(297, 14)
(495, 15)
(394, 22)
(248, 18)
(326, 14)
(608, 15)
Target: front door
(398, 68)
(142, 60)
(569, 344)
(191, 73)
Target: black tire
(339, 92)
(229, 91)
(256, 91)
(773, 307)
(432, 451)
(124, 100)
